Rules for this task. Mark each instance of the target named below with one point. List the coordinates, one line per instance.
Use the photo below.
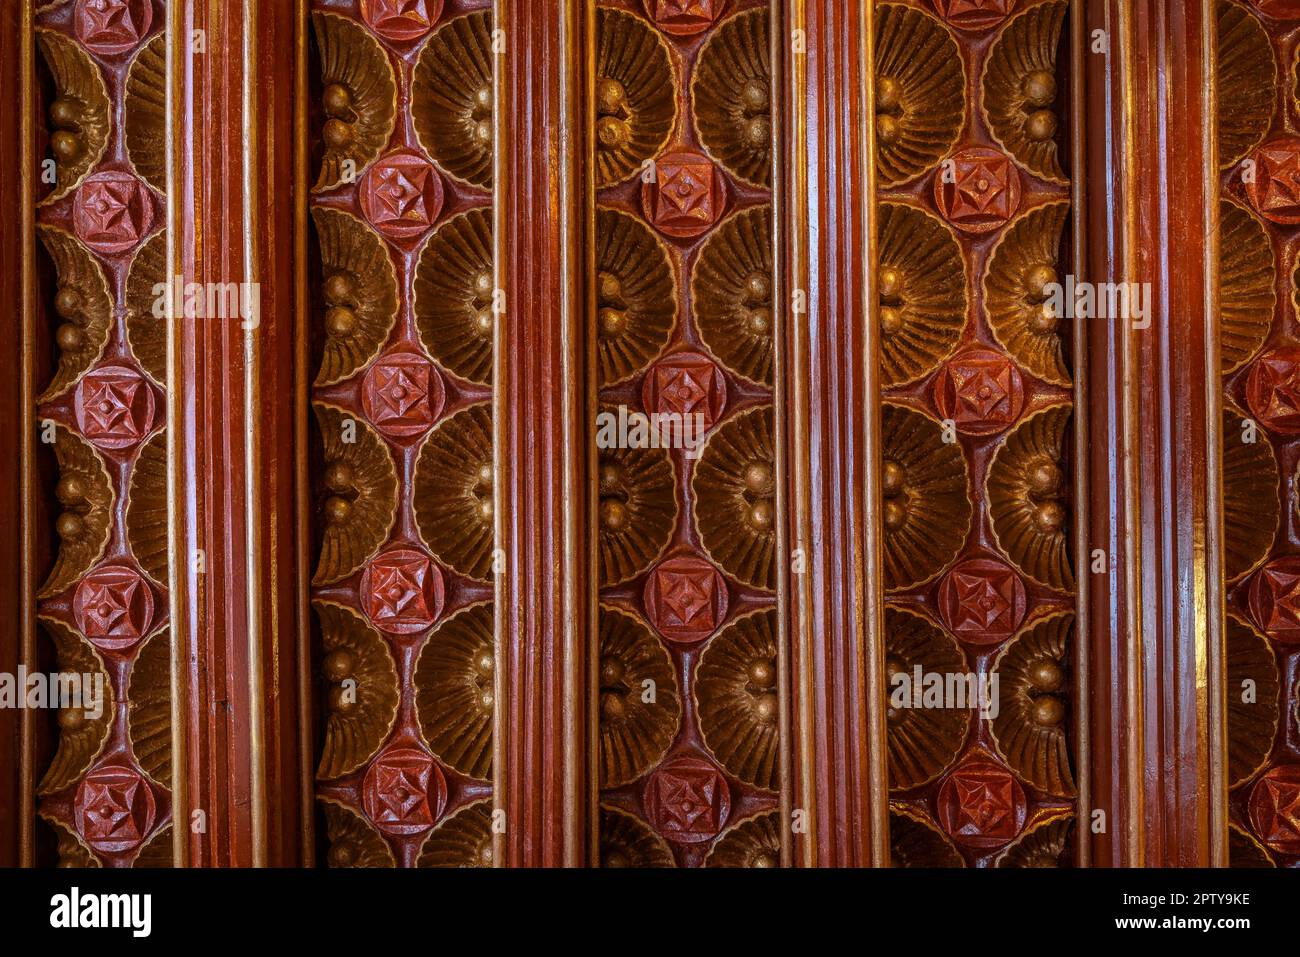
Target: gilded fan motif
(731, 290)
(1247, 296)
(353, 842)
(146, 331)
(735, 688)
(636, 296)
(146, 113)
(452, 102)
(1250, 505)
(453, 492)
(360, 97)
(626, 842)
(638, 510)
(731, 95)
(84, 305)
(1253, 696)
(463, 840)
(1040, 846)
(85, 494)
(635, 95)
(454, 695)
(734, 488)
(81, 736)
(1245, 78)
(363, 695)
(755, 842)
(639, 704)
(915, 842)
(147, 519)
(453, 296)
(79, 113)
(149, 713)
(361, 494)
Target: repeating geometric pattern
(976, 436)
(103, 605)
(684, 333)
(1259, 246)
(402, 337)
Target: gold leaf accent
(927, 508)
(71, 851)
(149, 711)
(463, 840)
(755, 842)
(734, 487)
(453, 295)
(922, 278)
(354, 260)
(638, 510)
(1040, 846)
(731, 97)
(453, 492)
(78, 81)
(923, 742)
(451, 105)
(1245, 851)
(731, 289)
(454, 691)
(353, 534)
(1030, 669)
(626, 841)
(353, 650)
(735, 688)
(350, 57)
(146, 113)
(85, 492)
(920, 93)
(1026, 45)
(353, 842)
(81, 738)
(147, 333)
(147, 520)
(1250, 505)
(1245, 78)
(634, 735)
(1247, 296)
(1019, 315)
(1251, 726)
(636, 100)
(80, 278)
(915, 842)
(1026, 492)
(636, 296)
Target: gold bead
(65, 146)
(1045, 675)
(69, 525)
(65, 113)
(338, 289)
(891, 320)
(337, 509)
(892, 479)
(336, 133)
(337, 99)
(1039, 88)
(758, 477)
(1041, 125)
(340, 322)
(889, 94)
(1048, 711)
(67, 301)
(887, 128)
(339, 664)
(613, 514)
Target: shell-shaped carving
(915, 842)
(1040, 846)
(732, 294)
(626, 841)
(731, 93)
(81, 736)
(1020, 87)
(634, 734)
(635, 95)
(146, 113)
(159, 852)
(755, 842)
(922, 283)
(366, 107)
(361, 481)
(735, 687)
(1030, 729)
(353, 842)
(1027, 497)
(1024, 320)
(1250, 505)
(734, 487)
(360, 287)
(1251, 725)
(146, 509)
(1246, 76)
(1245, 851)
(454, 696)
(452, 101)
(85, 493)
(453, 492)
(927, 507)
(463, 840)
(80, 109)
(638, 510)
(84, 305)
(146, 332)
(358, 722)
(1247, 296)
(920, 92)
(636, 296)
(149, 712)
(922, 741)
(68, 846)
(453, 295)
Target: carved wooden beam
(236, 587)
(1156, 627)
(831, 433)
(545, 605)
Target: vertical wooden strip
(832, 441)
(543, 592)
(1158, 744)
